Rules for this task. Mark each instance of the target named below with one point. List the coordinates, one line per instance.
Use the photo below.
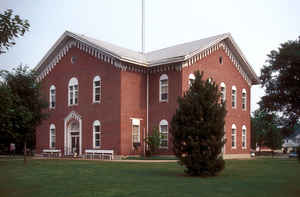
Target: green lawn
(253, 178)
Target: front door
(75, 143)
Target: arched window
(209, 80)
(52, 141)
(73, 91)
(223, 92)
(96, 134)
(163, 130)
(191, 79)
(244, 138)
(233, 136)
(233, 96)
(96, 89)
(52, 97)
(244, 99)
(163, 88)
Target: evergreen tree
(197, 129)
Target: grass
(152, 158)
(260, 177)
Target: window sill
(163, 101)
(164, 147)
(72, 105)
(233, 147)
(96, 102)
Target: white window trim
(244, 128)
(222, 85)
(244, 98)
(96, 78)
(52, 87)
(233, 135)
(163, 77)
(136, 122)
(191, 78)
(161, 123)
(96, 123)
(73, 81)
(235, 103)
(52, 126)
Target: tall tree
(265, 130)
(281, 78)
(24, 109)
(197, 129)
(11, 27)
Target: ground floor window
(136, 131)
(233, 136)
(97, 132)
(52, 143)
(163, 130)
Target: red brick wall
(123, 96)
(133, 105)
(107, 112)
(163, 110)
(227, 73)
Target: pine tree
(197, 129)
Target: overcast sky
(257, 26)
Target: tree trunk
(25, 152)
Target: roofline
(255, 79)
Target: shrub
(153, 142)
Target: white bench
(102, 154)
(52, 152)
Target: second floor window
(73, 91)
(191, 79)
(233, 96)
(244, 99)
(96, 89)
(163, 97)
(52, 97)
(223, 92)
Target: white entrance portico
(73, 134)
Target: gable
(174, 57)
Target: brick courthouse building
(107, 97)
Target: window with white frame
(52, 141)
(96, 89)
(223, 92)
(163, 130)
(96, 134)
(163, 88)
(233, 96)
(233, 136)
(244, 139)
(244, 99)
(73, 91)
(191, 79)
(136, 131)
(52, 97)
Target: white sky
(258, 26)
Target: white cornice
(69, 40)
